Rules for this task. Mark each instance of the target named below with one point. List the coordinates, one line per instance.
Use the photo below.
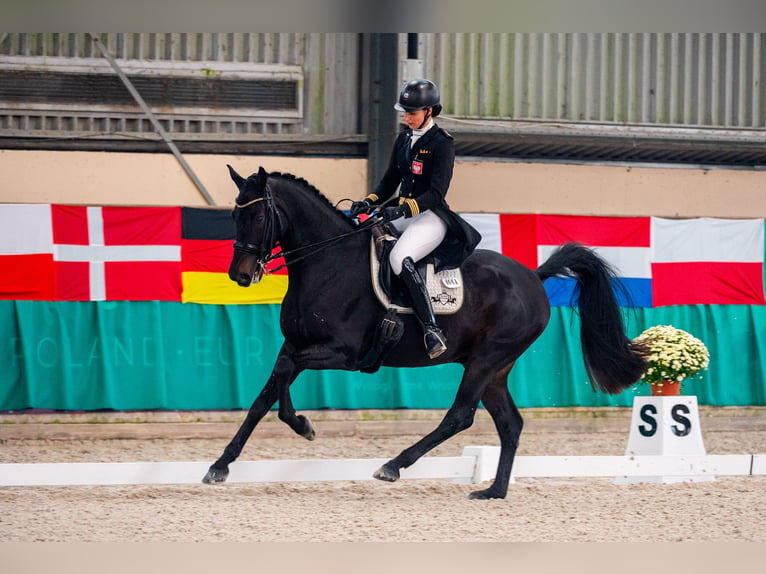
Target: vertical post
(382, 91)
(412, 47)
(412, 67)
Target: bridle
(265, 255)
(270, 233)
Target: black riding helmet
(418, 95)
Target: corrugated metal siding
(216, 47)
(565, 93)
(694, 79)
(329, 64)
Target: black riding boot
(435, 341)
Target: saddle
(445, 289)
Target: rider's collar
(417, 133)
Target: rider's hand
(391, 213)
(359, 207)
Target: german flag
(207, 236)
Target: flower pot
(666, 389)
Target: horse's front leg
(299, 423)
(312, 357)
(282, 376)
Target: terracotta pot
(666, 389)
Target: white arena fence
(477, 464)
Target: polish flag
(707, 261)
(117, 253)
(26, 252)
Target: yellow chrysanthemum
(674, 354)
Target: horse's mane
(309, 187)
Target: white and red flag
(117, 253)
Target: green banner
(161, 355)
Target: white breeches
(420, 236)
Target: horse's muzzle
(244, 275)
(247, 279)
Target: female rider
(421, 163)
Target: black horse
(330, 314)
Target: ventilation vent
(52, 88)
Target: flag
(660, 262)
(92, 253)
(488, 225)
(206, 252)
(707, 261)
(624, 242)
(117, 253)
(26, 252)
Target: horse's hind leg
(458, 418)
(508, 422)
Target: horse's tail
(613, 361)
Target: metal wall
(709, 80)
(324, 68)
(694, 79)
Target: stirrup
(438, 342)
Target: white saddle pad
(445, 288)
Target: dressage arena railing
(476, 464)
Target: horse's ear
(262, 177)
(238, 179)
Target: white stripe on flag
(97, 281)
(627, 261)
(25, 229)
(95, 226)
(118, 253)
(488, 224)
(707, 239)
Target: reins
(319, 246)
(315, 247)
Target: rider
(421, 163)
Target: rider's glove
(391, 213)
(359, 207)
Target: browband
(256, 200)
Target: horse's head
(257, 227)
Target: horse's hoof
(487, 494)
(387, 473)
(307, 431)
(216, 475)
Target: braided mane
(306, 185)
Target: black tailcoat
(424, 173)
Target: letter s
(679, 418)
(646, 414)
